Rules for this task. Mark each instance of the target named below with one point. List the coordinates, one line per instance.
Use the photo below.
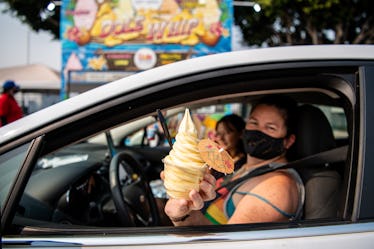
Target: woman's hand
(207, 187)
(177, 208)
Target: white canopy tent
(32, 77)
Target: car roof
(179, 69)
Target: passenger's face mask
(260, 145)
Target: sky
(20, 45)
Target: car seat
(322, 182)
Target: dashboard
(71, 186)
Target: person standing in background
(9, 109)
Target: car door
(344, 84)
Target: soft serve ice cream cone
(184, 167)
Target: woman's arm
(278, 188)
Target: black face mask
(260, 145)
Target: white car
(84, 173)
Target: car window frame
(364, 199)
(18, 186)
(89, 114)
(9, 161)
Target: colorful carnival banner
(107, 39)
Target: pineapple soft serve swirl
(184, 167)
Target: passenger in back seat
(229, 132)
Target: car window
(136, 138)
(10, 164)
(77, 175)
(204, 117)
(337, 119)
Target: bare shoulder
(278, 188)
(267, 182)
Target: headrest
(313, 132)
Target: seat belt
(335, 155)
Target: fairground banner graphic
(106, 40)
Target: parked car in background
(85, 173)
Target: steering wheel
(132, 195)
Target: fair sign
(133, 35)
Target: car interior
(109, 176)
